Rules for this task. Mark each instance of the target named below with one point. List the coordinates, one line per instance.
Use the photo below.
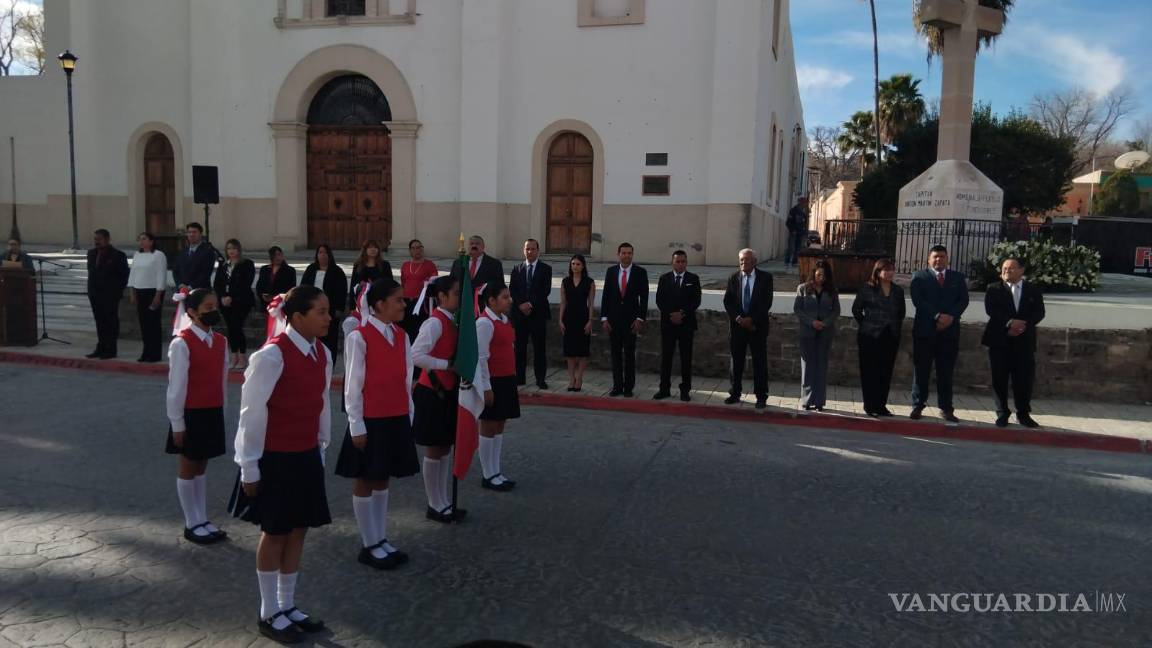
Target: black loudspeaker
(205, 185)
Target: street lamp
(68, 64)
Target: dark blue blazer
(931, 299)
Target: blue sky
(1046, 45)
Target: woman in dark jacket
(329, 277)
(817, 308)
(879, 310)
(276, 278)
(233, 286)
(369, 266)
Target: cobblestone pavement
(625, 531)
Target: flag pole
(463, 274)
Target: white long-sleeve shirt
(429, 334)
(149, 271)
(179, 361)
(260, 380)
(485, 329)
(355, 361)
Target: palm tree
(935, 37)
(901, 106)
(858, 137)
(875, 77)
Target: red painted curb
(1051, 438)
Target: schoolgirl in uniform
(496, 378)
(197, 384)
(284, 428)
(435, 399)
(378, 444)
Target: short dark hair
(531, 240)
(623, 245)
(103, 232)
(679, 253)
(938, 248)
(381, 289)
(1018, 260)
(444, 285)
(273, 250)
(414, 241)
(150, 237)
(300, 299)
(236, 244)
(194, 225)
(492, 291)
(193, 300)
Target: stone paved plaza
(625, 531)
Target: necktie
(623, 282)
(472, 269)
(530, 266)
(747, 293)
(677, 282)
(1016, 296)
(940, 278)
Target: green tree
(1119, 196)
(901, 105)
(857, 137)
(935, 37)
(1033, 167)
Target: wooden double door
(349, 186)
(569, 206)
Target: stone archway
(290, 130)
(137, 175)
(540, 151)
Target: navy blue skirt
(203, 434)
(291, 496)
(505, 400)
(434, 422)
(390, 451)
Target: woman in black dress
(276, 278)
(577, 297)
(369, 266)
(233, 286)
(329, 277)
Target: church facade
(581, 123)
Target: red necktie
(940, 279)
(472, 269)
(623, 282)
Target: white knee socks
(487, 458)
(434, 483)
(190, 504)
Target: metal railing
(908, 241)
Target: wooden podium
(17, 307)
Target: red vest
(501, 352)
(205, 371)
(297, 400)
(444, 349)
(386, 374)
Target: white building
(582, 123)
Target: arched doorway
(569, 195)
(349, 160)
(159, 186)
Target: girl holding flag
(496, 379)
(197, 384)
(284, 428)
(435, 398)
(378, 444)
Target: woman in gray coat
(817, 308)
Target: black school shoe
(292, 634)
(446, 516)
(506, 485)
(366, 558)
(307, 625)
(399, 556)
(211, 538)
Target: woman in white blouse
(148, 279)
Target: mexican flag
(471, 400)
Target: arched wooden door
(569, 206)
(349, 164)
(159, 186)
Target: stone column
(403, 181)
(291, 139)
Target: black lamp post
(68, 64)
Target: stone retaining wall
(1075, 364)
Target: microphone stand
(43, 313)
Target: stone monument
(952, 189)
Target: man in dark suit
(530, 285)
(748, 302)
(193, 266)
(483, 269)
(107, 278)
(940, 296)
(1014, 308)
(623, 309)
(677, 298)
